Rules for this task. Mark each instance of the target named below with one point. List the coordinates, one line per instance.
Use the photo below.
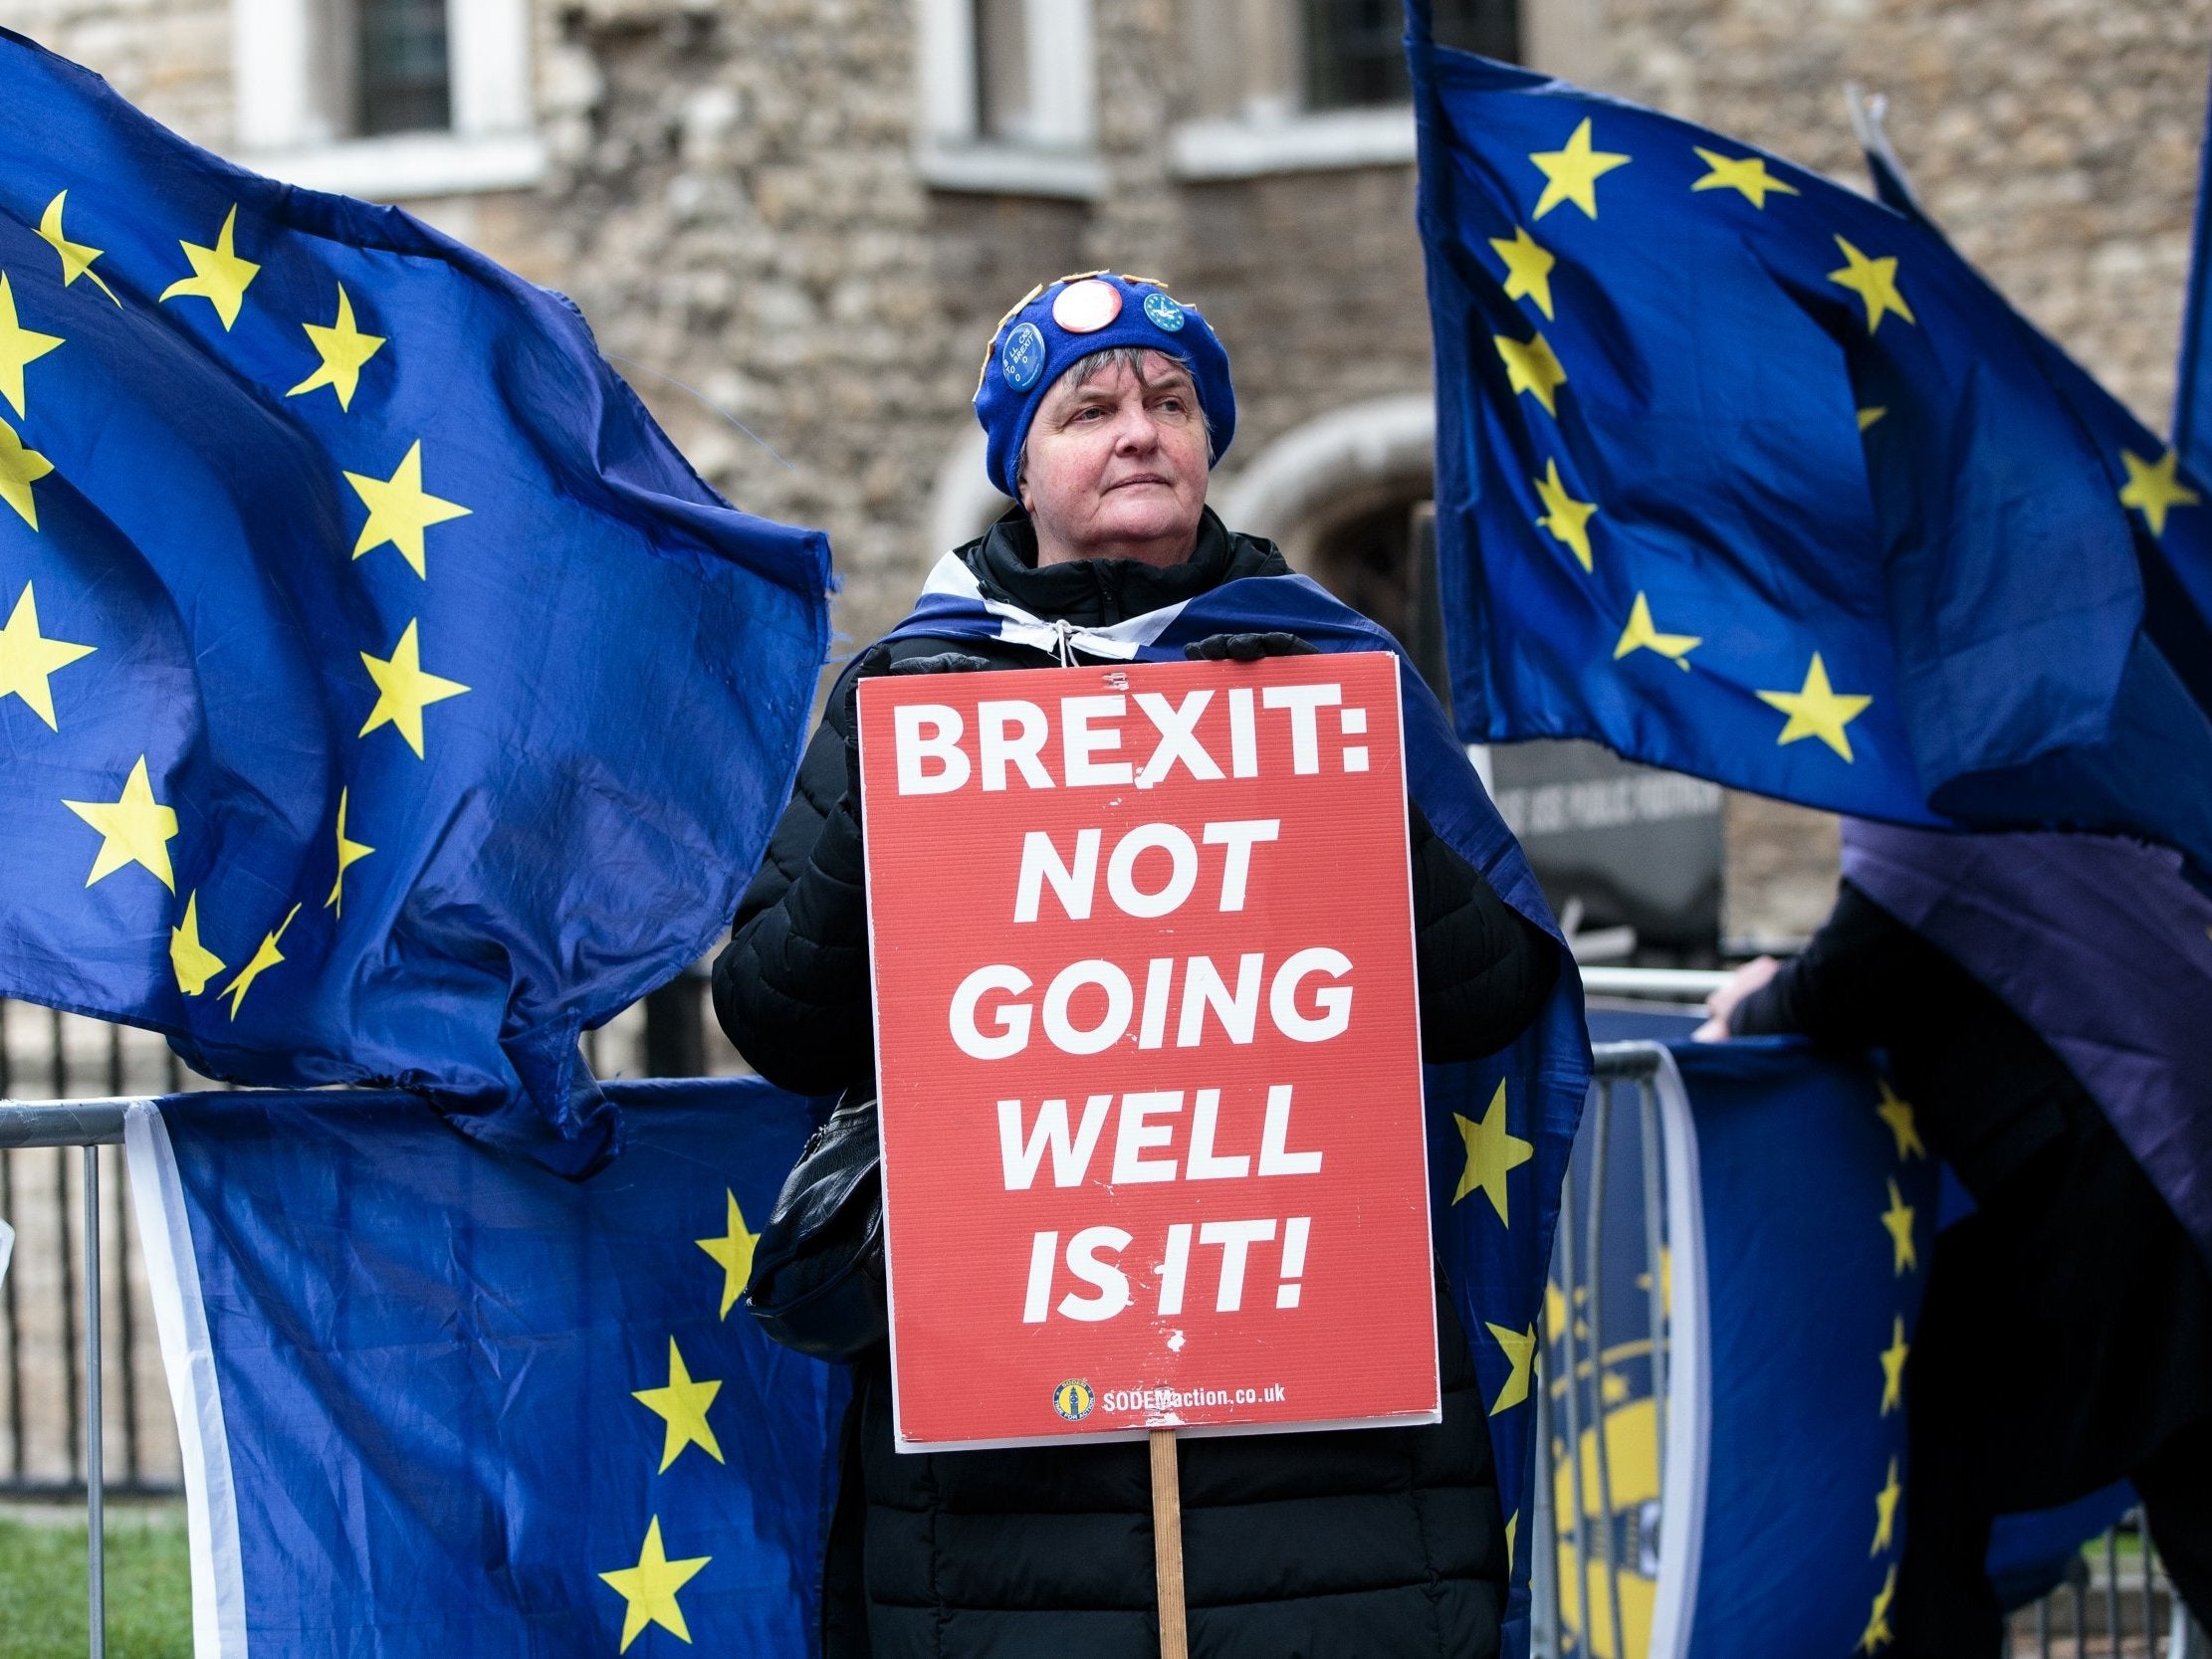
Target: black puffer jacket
(1369, 1543)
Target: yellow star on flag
(27, 657)
(1530, 367)
(1641, 635)
(1564, 519)
(1555, 1311)
(400, 510)
(1898, 1115)
(193, 963)
(264, 959)
(733, 1250)
(1898, 1219)
(2153, 488)
(1746, 174)
(19, 347)
(219, 276)
(344, 348)
(1818, 709)
(1512, 1531)
(682, 1406)
(403, 690)
(1886, 1512)
(1892, 1367)
(1527, 268)
(1871, 414)
(1876, 1635)
(77, 257)
(1520, 1352)
(350, 853)
(1572, 174)
(650, 1589)
(1492, 1152)
(20, 467)
(1875, 280)
(133, 829)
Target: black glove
(877, 660)
(1247, 647)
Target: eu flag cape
(1495, 1269)
(382, 698)
(434, 1401)
(1746, 476)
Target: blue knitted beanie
(1061, 322)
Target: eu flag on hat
(383, 696)
(1743, 475)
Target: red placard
(1148, 1047)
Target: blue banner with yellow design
(434, 1400)
(1734, 1299)
(1746, 476)
(383, 696)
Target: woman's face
(1117, 465)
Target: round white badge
(1086, 306)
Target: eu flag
(1744, 474)
(383, 699)
(2156, 483)
(435, 1401)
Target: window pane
(1002, 69)
(1355, 54)
(404, 83)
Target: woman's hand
(1750, 977)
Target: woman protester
(1106, 402)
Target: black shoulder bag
(817, 1271)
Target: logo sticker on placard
(1075, 1398)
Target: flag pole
(1166, 1545)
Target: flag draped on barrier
(433, 1401)
(384, 699)
(1754, 1504)
(1744, 474)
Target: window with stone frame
(404, 79)
(391, 99)
(1009, 95)
(1355, 55)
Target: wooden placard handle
(1166, 1545)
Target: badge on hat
(1163, 312)
(1086, 306)
(1022, 357)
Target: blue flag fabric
(383, 696)
(1509, 1118)
(1748, 1498)
(434, 1400)
(2192, 404)
(2157, 484)
(1746, 476)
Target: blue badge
(1165, 313)
(1022, 358)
